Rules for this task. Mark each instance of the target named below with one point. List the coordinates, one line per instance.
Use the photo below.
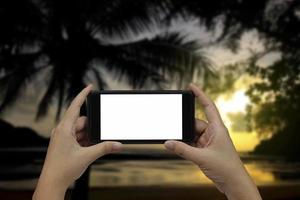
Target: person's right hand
(215, 154)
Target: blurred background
(244, 53)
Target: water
(265, 171)
(184, 173)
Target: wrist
(240, 186)
(49, 187)
(46, 192)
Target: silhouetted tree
(68, 41)
(276, 100)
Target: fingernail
(116, 146)
(169, 145)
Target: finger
(184, 150)
(81, 123)
(84, 142)
(208, 105)
(81, 135)
(201, 126)
(96, 151)
(72, 112)
(202, 141)
(82, 139)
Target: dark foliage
(67, 38)
(277, 97)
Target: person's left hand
(69, 153)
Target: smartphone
(141, 116)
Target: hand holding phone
(215, 154)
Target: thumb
(184, 150)
(98, 150)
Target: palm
(72, 42)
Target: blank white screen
(140, 116)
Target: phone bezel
(188, 114)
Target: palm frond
(21, 22)
(18, 70)
(100, 81)
(55, 85)
(160, 56)
(138, 16)
(64, 33)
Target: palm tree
(72, 41)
